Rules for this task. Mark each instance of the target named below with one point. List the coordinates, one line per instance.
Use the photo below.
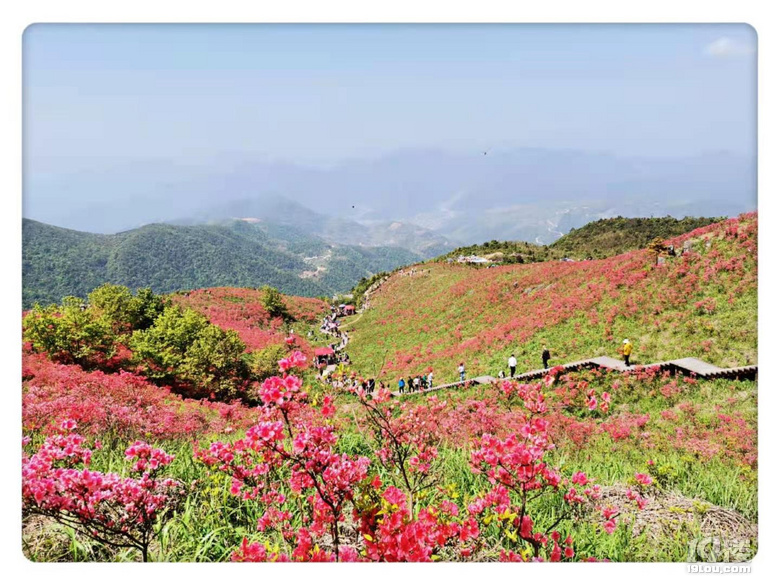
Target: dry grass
(668, 513)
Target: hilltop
(57, 262)
(609, 237)
(702, 303)
(597, 239)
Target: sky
(98, 96)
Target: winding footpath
(688, 366)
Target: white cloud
(727, 47)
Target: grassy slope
(579, 310)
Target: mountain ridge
(58, 262)
(527, 194)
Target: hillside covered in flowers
(195, 427)
(700, 303)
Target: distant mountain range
(424, 200)
(57, 262)
(338, 230)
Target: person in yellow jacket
(627, 347)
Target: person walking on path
(401, 385)
(430, 379)
(512, 365)
(545, 356)
(462, 372)
(627, 347)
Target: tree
(182, 348)
(147, 306)
(68, 333)
(161, 348)
(273, 302)
(214, 363)
(658, 248)
(122, 311)
(264, 363)
(113, 305)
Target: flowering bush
(291, 449)
(406, 438)
(121, 405)
(242, 310)
(111, 509)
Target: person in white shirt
(462, 372)
(512, 365)
(430, 379)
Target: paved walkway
(688, 366)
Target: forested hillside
(57, 262)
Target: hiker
(627, 347)
(409, 384)
(401, 385)
(430, 379)
(501, 375)
(416, 383)
(512, 365)
(545, 356)
(462, 372)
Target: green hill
(609, 237)
(597, 239)
(57, 262)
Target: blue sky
(101, 95)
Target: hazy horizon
(126, 124)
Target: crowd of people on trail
(340, 380)
(415, 383)
(343, 381)
(330, 326)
